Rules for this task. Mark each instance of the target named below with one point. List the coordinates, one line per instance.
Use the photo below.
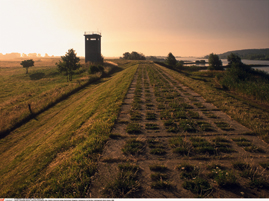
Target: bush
(95, 69)
(242, 78)
(180, 64)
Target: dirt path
(177, 145)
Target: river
(225, 62)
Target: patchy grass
(136, 105)
(187, 125)
(149, 106)
(161, 106)
(179, 115)
(240, 166)
(223, 178)
(247, 145)
(222, 145)
(135, 115)
(150, 116)
(156, 147)
(134, 147)
(133, 128)
(151, 126)
(215, 166)
(223, 126)
(199, 105)
(158, 151)
(158, 168)
(210, 115)
(246, 111)
(125, 184)
(205, 126)
(186, 106)
(158, 176)
(194, 115)
(258, 179)
(220, 139)
(181, 146)
(188, 171)
(198, 186)
(161, 185)
(202, 146)
(254, 149)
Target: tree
(171, 60)
(234, 61)
(214, 62)
(126, 55)
(133, 56)
(26, 64)
(233, 58)
(69, 63)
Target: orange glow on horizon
(152, 27)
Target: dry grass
(42, 87)
(55, 154)
(39, 62)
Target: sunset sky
(152, 27)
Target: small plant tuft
(158, 168)
(197, 186)
(133, 128)
(134, 147)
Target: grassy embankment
(41, 88)
(244, 109)
(246, 81)
(55, 154)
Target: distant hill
(253, 54)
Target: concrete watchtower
(92, 47)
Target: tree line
(133, 56)
(252, 54)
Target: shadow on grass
(53, 74)
(37, 76)
(33, 115)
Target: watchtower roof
(93, 33)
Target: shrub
(95, 69)
(251, 82)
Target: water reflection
(190, 61)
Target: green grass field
(41, 88)
(54, 154)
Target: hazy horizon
(152, 27)
(14, 55)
